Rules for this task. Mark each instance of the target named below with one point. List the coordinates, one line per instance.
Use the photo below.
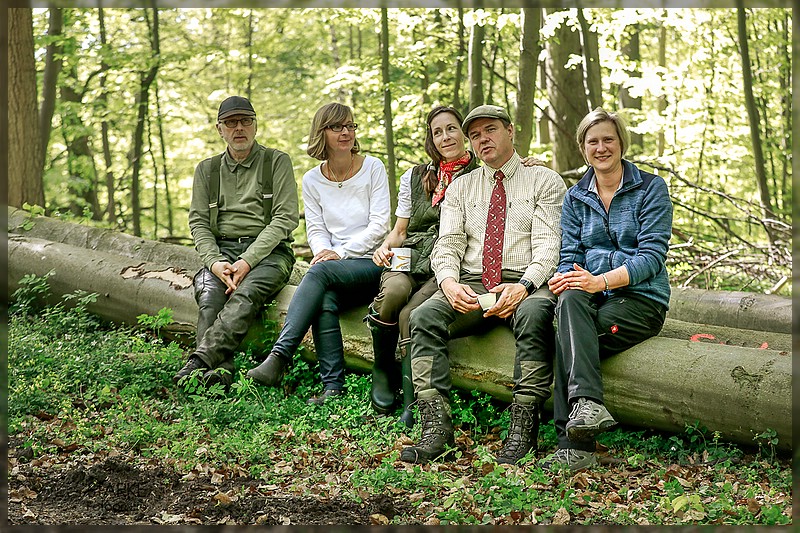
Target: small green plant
(767, 442)
(33, 212)
(158, 321)
(31, 293)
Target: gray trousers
(592, 327)
(435, 322)
(223, 319)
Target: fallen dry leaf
(378, 519)
(561, 517)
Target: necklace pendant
(340, 184)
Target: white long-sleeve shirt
(352, 220)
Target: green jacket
(423, 225)
(241, 211)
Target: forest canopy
(127, 100)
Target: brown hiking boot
(523, 432)
(437, 429)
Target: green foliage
(155, 322)
(31, 292)
(111, 389)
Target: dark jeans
(224, 319)
(592, 327)
(326, 289)
(435, 322)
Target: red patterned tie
(495, 228)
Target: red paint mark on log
(764, 346)
(697, 336)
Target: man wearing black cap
(243, 211)
(499, 238)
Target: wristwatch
(528, 284)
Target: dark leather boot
(437, 429)
(270, 372)
(194, 363)
(385, 371)
(407, 417)
(523, 433)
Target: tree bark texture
(387, 111)
(52, 67)
(526, 82)
(630, 50)
(566, 96)
(475, 73)
(25, 157)
(462, 53)
(662, 383)
(752, 114)
(591, 60)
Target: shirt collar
(593, 183)
(231, 162)
(509, 168)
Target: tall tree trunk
(591, 60)
(249, 47)
(475, 71)
(786, 110)
(52, 67)
(630, 50)
(163, 145)
(526, 81)
(462, 53)
(752, 114)
(142, 101)
(662, 98)
(82, 179)
(492, 64)
(387, 110)
(567, 106)
(25, 159)
(111, 208)
(542, 122)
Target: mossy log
(663, 383)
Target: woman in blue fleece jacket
(611, 282)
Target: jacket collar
(631, 178)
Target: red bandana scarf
(445, 175)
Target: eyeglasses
(232, 122)
(339, 127)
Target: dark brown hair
(429, 178)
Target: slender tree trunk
(25, 159)
(591, 60)
(567, 106)
(462, 53)
(786, 111)
(526, 81)
(752, 113)
(542, 122)
(387, 110)
(662, 98)
(50, 77)
(630, 50)
(142, 101)
(163, 144)
(492, 65)
(82, 180)
(249, 62)
(111, 209)
(475, 72)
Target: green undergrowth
(74, 380)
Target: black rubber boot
(437, 430)
(385, 371)
(523, 433)
(407, 417)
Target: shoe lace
(582, 410)
(429, 413)
(522, 419)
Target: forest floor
(98, 434)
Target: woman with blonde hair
(346, 201)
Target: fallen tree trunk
(662, 383)
(738, 310)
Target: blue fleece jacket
(634, 232)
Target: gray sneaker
(587, 420)
(568, 459)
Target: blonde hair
(327, 115)
(596, 117)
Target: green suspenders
(266, 188)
